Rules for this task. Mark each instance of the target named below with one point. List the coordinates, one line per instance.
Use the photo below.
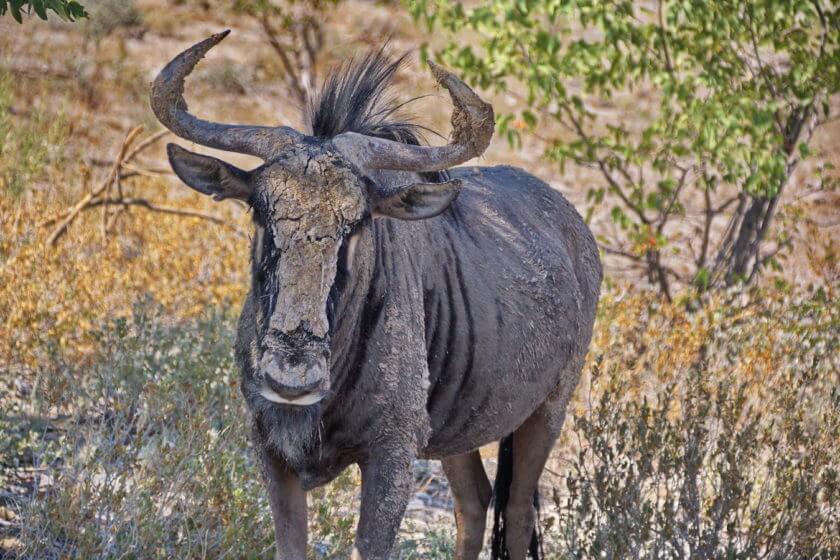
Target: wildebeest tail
(501, 495)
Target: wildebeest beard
(289, 432)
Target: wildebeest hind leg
(532, 444)
(472, 492)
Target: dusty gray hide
(397, 310)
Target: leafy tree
(68, 10)
(735, 89)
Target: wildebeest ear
(417, 201)
(209, 175)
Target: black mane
(357, 97)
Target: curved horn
(472, 129)
(169, 106)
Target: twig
(292, 79)
(616, 188)
(148, 205)
(111, 205)
(74, 211)
(707, 227)
(662, 36)
(145, 144)
(145, 172)
(664, 218)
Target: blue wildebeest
(399, 307)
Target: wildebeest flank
(399, 307)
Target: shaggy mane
(357, 97)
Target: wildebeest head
(306, 197)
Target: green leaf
(38, 6)
(529, 119)
(804, 150)
(77, 11)
(713, 111)
(15, 6)
(702, 279)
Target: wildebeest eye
(347, 233)
(268, 256)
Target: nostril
(291, 392)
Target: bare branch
(101, 196)
(621, 253)
(763, 69)
(186, 212)
(707, 228)
(293, 81)
(668, 63)
(680, 184)
(144, 145)
(112, 174)
(145, 172)
(616, 187)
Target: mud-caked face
(305, 203)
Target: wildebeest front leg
(387, 484)
(287, 499)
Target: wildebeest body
(400, 307)
(509, 305)
(498, 292)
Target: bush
(707, 434)
(109, 16)
(718, 462)
(156, 457)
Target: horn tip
(437, 71)
(217, 38)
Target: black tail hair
(501, 494)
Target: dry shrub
(110, 16)
(52, 298)
(153, 458)
(701, 434)
(713, 434)
(28, 144)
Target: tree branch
(101, 195)
(109, 179)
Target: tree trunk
(657, 273)
(749, 237)
(741, 259)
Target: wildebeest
(399, 307)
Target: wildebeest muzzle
(295, 372)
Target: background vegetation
(707, 423)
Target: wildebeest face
(305, 205)
(304, 202)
